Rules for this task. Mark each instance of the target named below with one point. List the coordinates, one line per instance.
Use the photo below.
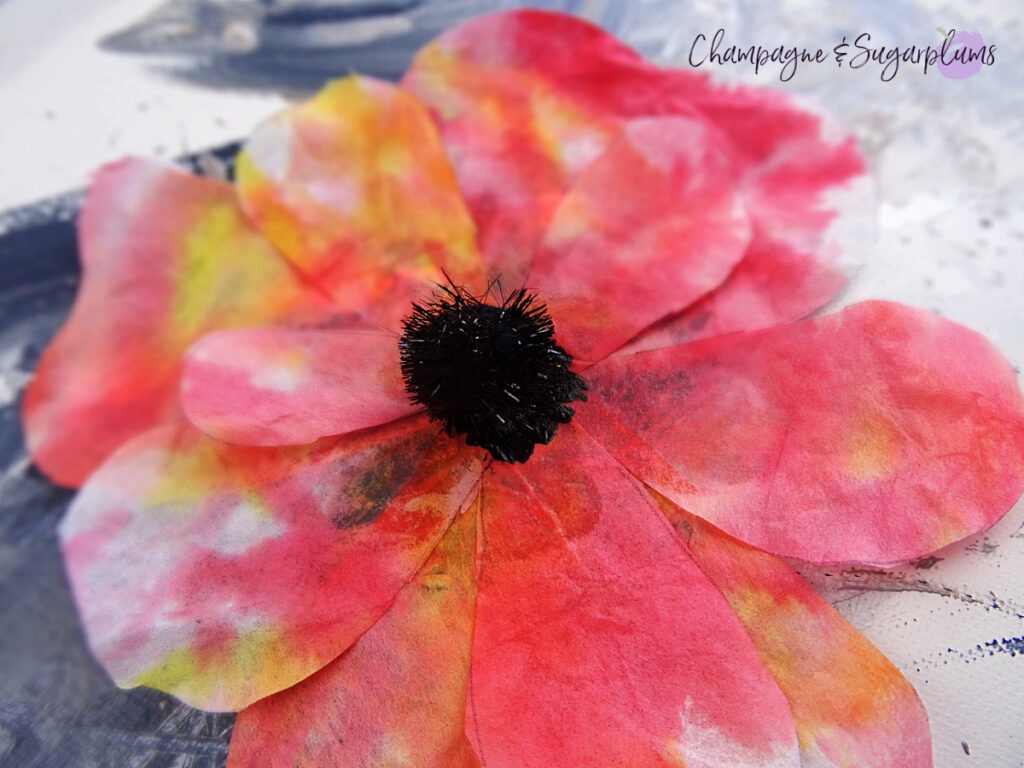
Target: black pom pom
(491, 373)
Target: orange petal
(852, 707)
(598, 641)
(354, 187)
(397, 697)
(878, 434)
(224, 574)
(166, 257)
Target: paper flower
(599, 583)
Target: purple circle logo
(961, 54)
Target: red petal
(397, 697)
(613, 261)
(809, 198)
(273, 386)
(354, 187)
(877, 434)
(224, 574)
(773, 284)
(166, 257)
(598, 641)
(526, 99)
(852, 707)
(517, 121)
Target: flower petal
(274, 386)
(850, 704)
(878, 434)
(354, 187)
(809, 196)
(523, 118)
(652, 224)
(397, 697)
(166, 257)
(592, 642)
(224, 574)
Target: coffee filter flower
(269, 524)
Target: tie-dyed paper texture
(606, 602)
(166, 258)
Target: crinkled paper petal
(598, 641)
(397, 697)
(223, 574)
(652, 224)
(809, 196)
(852, 707)
(166, 257)
(525, 100)
(518, 130)
(877, 434)
(354, 187)
(274, 386)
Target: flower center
(491, 373)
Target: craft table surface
(948, 159)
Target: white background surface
(67, 106)
(948, 159)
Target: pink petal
(274, 386)
(877, 434)
(397, 697)
(852, 707)
(526, 99)
(651, 225)
(224, 574)
(166, 258)
(354, 187)
(521, 118)
(598, 641)
(809, 197)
